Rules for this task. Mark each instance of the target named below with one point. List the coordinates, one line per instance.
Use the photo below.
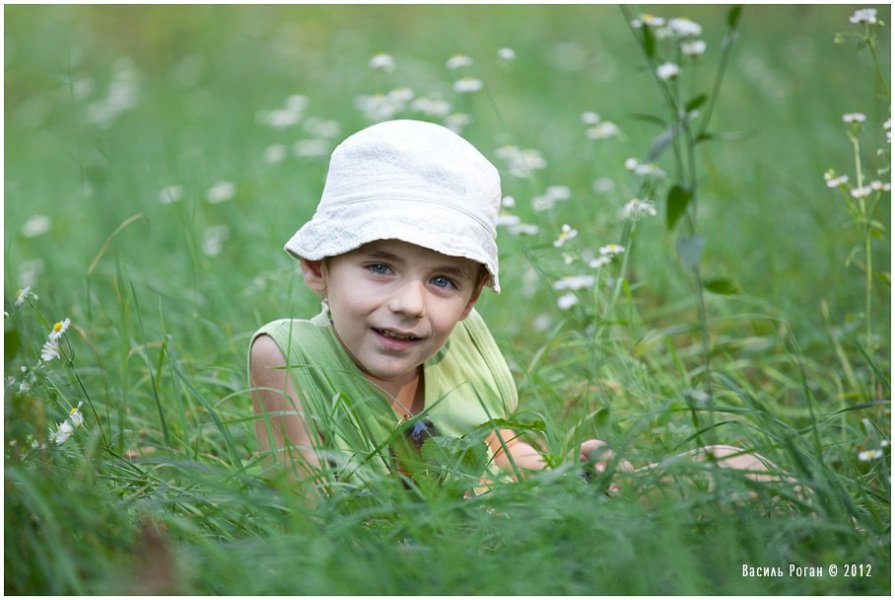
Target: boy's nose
(409, 299)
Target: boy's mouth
(396, 335)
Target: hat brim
(440, 228)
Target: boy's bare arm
(279, 425)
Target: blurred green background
(200, 75)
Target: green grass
(162, 489)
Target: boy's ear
(314, 273)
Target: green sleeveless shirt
(467, 383)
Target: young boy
(400, 248)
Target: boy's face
(394, 304)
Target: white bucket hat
(411, 181)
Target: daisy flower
(468, 84)
(507, 54)
(574, 282)
(685, 27)
(694, 48)
(383, 62)
(864, 15)
(854, 118)
(868, 455)
(59, 329)
(667, 71)
(637, 209)
(567, 301)
(221, 191)
(22, 295)
(565, 234)
(458, 61)
(611, 250)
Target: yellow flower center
(73, 411)
(57, 327)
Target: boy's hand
(596, 453)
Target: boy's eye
(443, 282)
(379, 269)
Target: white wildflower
(275, 153)
(457, 121)
(590, 118)
(861, 192)
(296, 103)
(521, 162)
(326, 128)
(559, 192)
(22, 295)
(523, 229)
(75, 416)
(599, 262)
(693, 48)
(864, 15)
(458, 61)
(49, 351)
(541, 322)
(468, 84)
(62, 433)
(59, 329)
(221, 191)
(433, 107)
(567, 301)
(506, 54)
(603, 185)
(649, 20)
(611, 250)
(880, 186)
(213, 239)
(833, 181)
(644, 169)
(311, 148)
(868, 455)
(508, 202)
(170, 194)
(35, 226)
(604, 130)
(379, 107)
(667, 71)
(685, 27)
(566, 233)
(854, 118)
(574, 282)
(383, 62)
(504, 220)
(637, 209)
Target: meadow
(158, 157)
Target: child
(400, 248)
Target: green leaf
(649, 41)
(721, 285)
(602, 417)
(11, 344)
(690, 250)
(661, 142)
(733, 15)
(648, 118)
(696, 102)
(678, 199)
